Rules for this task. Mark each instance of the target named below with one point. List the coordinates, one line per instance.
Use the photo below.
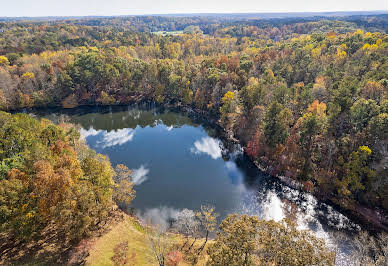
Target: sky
(34, 8)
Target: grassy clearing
(97, 250)
(164, 33)
(139, 250)
(127, 230)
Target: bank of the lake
(371, 220)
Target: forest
(306, 98)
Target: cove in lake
(179, 161)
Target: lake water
(179, 162)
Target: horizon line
(203, 13)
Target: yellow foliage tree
(317, 108)
(228, 105)
(359, 32)
(3, 60)
(105, 99)
(28, 75)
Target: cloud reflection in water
(162, 216)
(140, 175)
(209, 146)
(90, 132)
(111, 138)
(169, 128)
(234, 173)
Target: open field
(165, 33)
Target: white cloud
(209, 146)
(140, 175)
(116, 137)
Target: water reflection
(162, 216)
(85, 133)
(169, 128)
(165, 149)
(209, 146)
(111, 138)
(234, 174)
(139, 175)
(178, 162)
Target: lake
(179, 161)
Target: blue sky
(13, 8)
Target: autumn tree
(44, 182)
(282, 243)
(235, 71)
(228, 105)
(357, 175)
(252, 94)
(208, 219)
(312, 123)
(123, 192)
(246, 240)
(235, 243)
(4, 60)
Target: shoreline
(374, 221)
(363, 216)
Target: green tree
(357, 174)
(276, 124)
(251, 95)
(343, 95)
(362, 112)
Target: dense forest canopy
(308, 99)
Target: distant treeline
(27, 37)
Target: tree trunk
(184, 244)
(195, 239)
(246, 258)
(204, 244)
